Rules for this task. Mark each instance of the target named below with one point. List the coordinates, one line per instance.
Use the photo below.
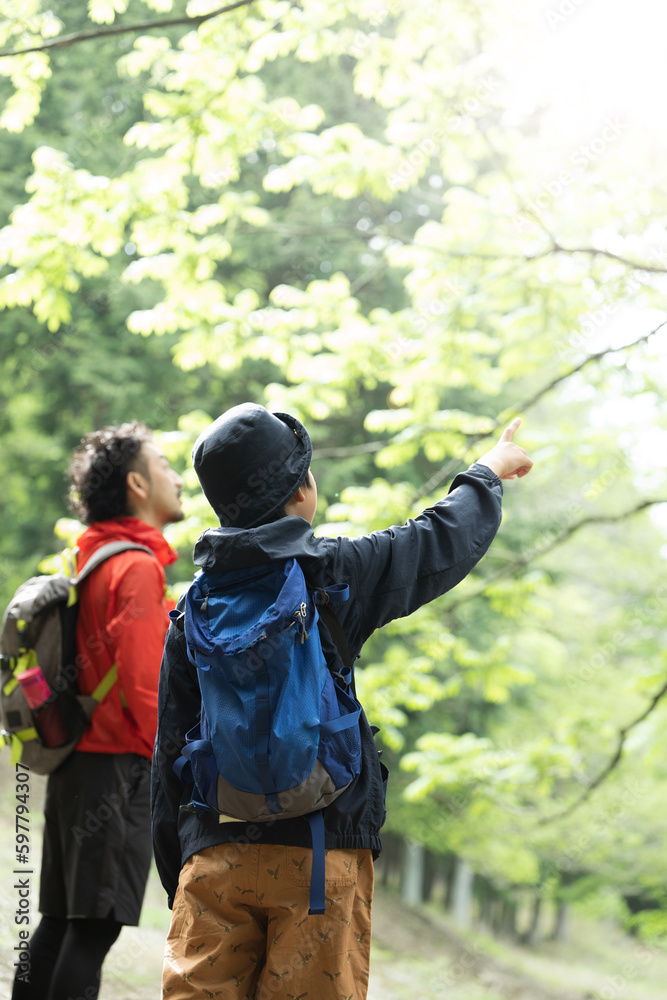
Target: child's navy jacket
(390, 574)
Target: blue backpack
(278, 735)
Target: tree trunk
(413, 872)
(484, 894)
(530, 936)
(450, 867)
(431, 872)
(462, 894)
(561, 923)
(390, 859)
(508, 920)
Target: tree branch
(596, 251)
(554, 248)
(445, 473)
(63, 41)
(539, 550)
(587, 361)
(356, 449)
(614, 761)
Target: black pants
(95, 864)
(66, 957)
(97, 838)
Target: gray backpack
(39, 629)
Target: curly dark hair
(99, 467)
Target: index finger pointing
(508, 433)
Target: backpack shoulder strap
(105, 552)
(330, 619)
(325, 598)
(98, 557)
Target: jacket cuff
(486, 472)
(479, 471)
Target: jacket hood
(127, 529)
(219, 550)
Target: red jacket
(123, 620)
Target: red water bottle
(44, 707)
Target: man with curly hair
(97, 845)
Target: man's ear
(136, 485)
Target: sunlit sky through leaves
(588, 59)
(594, 70)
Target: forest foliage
(401, 223)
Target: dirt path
(418, 956)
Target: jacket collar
(129, 529)
(222, 549)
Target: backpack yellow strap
(17, 741)
(9, 686)
(105, 685)
(25, 661)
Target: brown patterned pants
(240, 928)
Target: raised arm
(395, 571)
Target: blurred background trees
(407, 223)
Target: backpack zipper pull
(300, 619)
